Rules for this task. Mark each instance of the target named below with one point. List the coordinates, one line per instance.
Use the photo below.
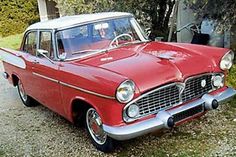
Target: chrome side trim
(146, 126)
(45, 77)
(87, 91)
(12, 59)
(74, 87)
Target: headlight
(125, 92)
(227, 61)
(218, 81)
(132, 111)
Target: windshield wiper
(84, 51)
(134, 42)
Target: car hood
(152, 64)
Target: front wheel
(94, 127)
(27, 100)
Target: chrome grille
(193, 88)
(172, 95)
(159, 99)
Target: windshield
(92, 38)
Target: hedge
(16, 15)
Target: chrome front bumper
(161, 119)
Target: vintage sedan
(102, 70)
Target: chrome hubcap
(94, 124)
(22, 91)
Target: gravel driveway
(39, 132)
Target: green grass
(12, 41)
(231, 81)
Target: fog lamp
(218, 81)
(133, 111)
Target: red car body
(61, 86)
(136, 62)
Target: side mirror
(44, 53)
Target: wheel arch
(15, 79)
(78, 109)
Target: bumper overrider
(168, 118)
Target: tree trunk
(170, 9)
(154, 20)
(161, 14)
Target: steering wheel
(117, 37)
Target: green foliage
(150, 13)
(231, 79)
(16, 15)
(2, 153)
(72, 7)
(221, 10)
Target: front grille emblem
(181, 90)
(203, 83)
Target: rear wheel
(94, 127)
(27, 100)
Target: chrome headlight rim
(132, 87)
(226, 58)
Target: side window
(73, 39)
(30, 44)
(45, 43)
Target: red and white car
(101, 69)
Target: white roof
(68, 21)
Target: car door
(46, 73)
(28, 49)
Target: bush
(16, 15)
